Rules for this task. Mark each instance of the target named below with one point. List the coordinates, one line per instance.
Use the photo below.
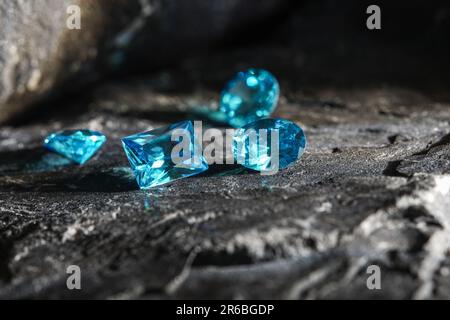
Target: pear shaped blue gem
(151, 154)
(77, 145)
(268, 144)
(249, 96)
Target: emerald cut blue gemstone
(268, 144)
(77, 145)
(249, 96)
(164, 155)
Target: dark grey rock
(371, 189)
(308, 232)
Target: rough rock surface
(372, 188)
(41, 56)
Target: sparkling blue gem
(150, 155)
(249, 96)
(77, 145)
(253, 144)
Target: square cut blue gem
(77, 145)
(164, 155)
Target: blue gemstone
(268, 144)
(151, 154)
(77, 145)
(249, 96)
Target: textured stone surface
(372, 187)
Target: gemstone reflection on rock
(258, 145)
(77, 145)
(150, 155)
(249, 96)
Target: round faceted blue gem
(268, 144)
(77, 145)
(249, 96)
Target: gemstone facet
(268, 144)
(249, 96)
(77, 145)
(152, 158)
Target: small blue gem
(249, 96)
(150, 154)
(77, 145)
(253, 144)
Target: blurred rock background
(310, 43)
(41, 57)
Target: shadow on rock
(31, 160)
(224, 170)
(38, 169)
